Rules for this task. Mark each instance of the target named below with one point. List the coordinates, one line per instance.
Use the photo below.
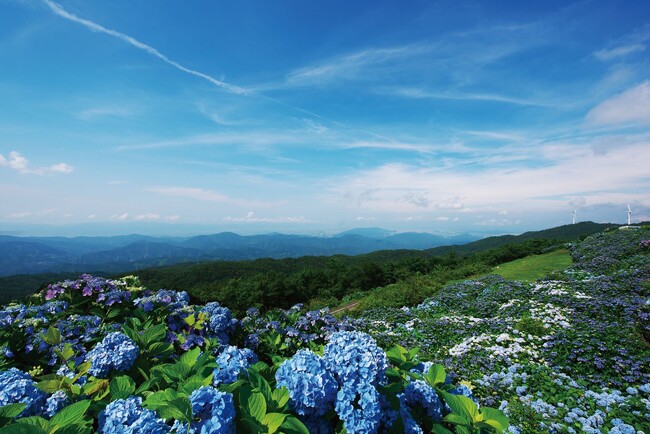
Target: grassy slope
(535, 267)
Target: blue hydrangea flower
(174, 300)
(126, 416)
(56, 402)
(17, 386)
(354, 358)
(418, 394)
(359, 408)
(116, 352)
(312, 389)
(232, 361)
(220, 322)
(214, 411)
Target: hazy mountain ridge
(29, 255)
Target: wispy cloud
(102, 112)
(60, 11)
(192, 193)
(18, 215)
(350, 66)
(621, 51)
(418, 93)
(250, 217)
(19, 163)
(248, 138)
(629, 107)
(633, 42)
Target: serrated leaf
(273, 421)
(74, 429)
(122, 387)
(146, 385)
(154, 334)
(190, 357)
(49, 386)
(457, 419)
(439, 429)
(10, 411)
(436, 375)
(22, 428)
(177, 371)
(113, 313)
(184, 405)
(461, 405)
(397, 354)
(495, 418)
(293, 425)
(281, 397)
(260, 384)
(71, 414)
(256, 405)
(52, 336)
(160, 349)
(94, 386)
(190, 320)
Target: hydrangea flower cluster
(232, 361)
(214, 412)
(172, 300)
(17, 386)
(354, 358)
(88, 285)
(116, 352)
(312, 388)
(220, 322)
(126, 416)
(418, 394)
(56, 402)
(359, 366)
(297, 330)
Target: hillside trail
(348, 306)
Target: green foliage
(535, 267)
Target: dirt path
(346, 307)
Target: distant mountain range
(31, 255)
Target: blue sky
(256, 116)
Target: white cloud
(629, 107)
(15, 161)
(18, 215)
(58, 9)
(120, 217)
(192, 193)
(19, 163)
(61, 168)
(418, 93)
(620, 51)
(569, 170)
(250, 217)
(147, 217)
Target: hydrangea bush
(566, 354)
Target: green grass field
(535, 267)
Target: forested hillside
(326, 279)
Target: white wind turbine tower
(629, 215)
(574, 216)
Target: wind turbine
(629, 215)
(574, 216)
